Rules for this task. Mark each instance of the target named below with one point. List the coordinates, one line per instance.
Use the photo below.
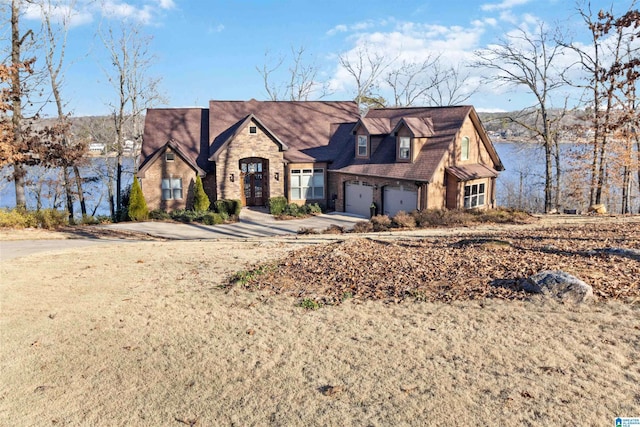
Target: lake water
(521, 184)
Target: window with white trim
(172, 189)
(464, 152)
(474, 195)
(363, 146)
(307, 184)
(404, 147)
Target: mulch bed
(459, 268)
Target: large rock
(560, 285)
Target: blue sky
(210, 49)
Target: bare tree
(411, 82)
(450, 85)
(55, 42)
(366, 68)
(302, 83)
(528, 60)
(607, 67)
(135, 90)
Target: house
(319, 152)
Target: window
(253, 129)
(307, 184)
(474, 195)
(464, 155)
(362, 146)
(172, 188)
(169, 157)
(404, 148)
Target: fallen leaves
(459, 268)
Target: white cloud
(216, 28)
(59, 14)
(341, 28)
(503, 5)
(357, 27)
(166, 4)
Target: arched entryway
(254, 172)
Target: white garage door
(358, 198)
(399, 199)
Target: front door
(254, 173)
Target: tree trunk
(626, 187)
(119, 187)
(16, 104)
(602, 171)
(83, 205)
(558, 173)
(68, 192)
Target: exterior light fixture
(277, 176)
(232, 177)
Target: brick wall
(161, 169)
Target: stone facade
(250, 145)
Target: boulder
(559, 284)
(598, 209)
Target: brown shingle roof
(376, 126)
(446, 123)
(420, 127)
(474, 171)
(187, 127)
(312, 130)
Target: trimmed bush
(201, 201)
(183, 215)
(212, 218)
(292, 209)
(138, 210)
(277, 205)
(231, 207)
(314, 209)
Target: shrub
(212, 218)
(184, 215)
(307, 230)
(314, 209)
(292, 209)
(334, 229)
(429, 217)
(51, 218)
(231, 207)
(201, 201)
(277, 205)
(363, 227)
(138, 210)
(159, 214)
(309, 304)
(17, 218)
(89, 220)
(404, 220)
(380, 222)
(122, 214)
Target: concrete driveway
(254, 222)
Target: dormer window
(253, 129)
(169, 157)
(404, 148)
(363, 146)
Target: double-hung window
(404, 148)
(474, 195)
(363, 146)
(172, 188)
(307, 184)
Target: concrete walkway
(254, 222)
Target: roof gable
(176, 147)
(374, 126)
(420, 127)
(228, 136)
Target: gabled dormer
(411, 133)
(369, 133)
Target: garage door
(399, 199)
(358, 198)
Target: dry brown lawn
(147, 334)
